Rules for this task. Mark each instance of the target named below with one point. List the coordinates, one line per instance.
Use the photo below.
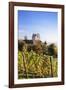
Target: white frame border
(40, 80)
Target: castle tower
(35, 38)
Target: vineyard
(34, 65)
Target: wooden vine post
(51, 60)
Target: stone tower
(35, 38)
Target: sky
(42, 22)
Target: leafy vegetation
(37, 61)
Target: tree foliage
(52, 50)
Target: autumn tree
(45, 48)
(38, 47)
(22, 45)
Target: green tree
(52, 50)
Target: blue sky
(44, 23)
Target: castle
(35, 38)
(34, 41)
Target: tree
(29, 47)
(38, 47)
(22, 45)
(52, 50)
(45, 48)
